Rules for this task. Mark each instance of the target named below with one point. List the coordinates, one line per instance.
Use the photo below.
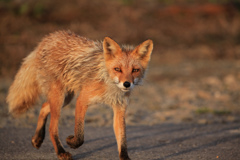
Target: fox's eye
(117, 69)
(135, 70)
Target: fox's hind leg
(56, 101)
(39, 136)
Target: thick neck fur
(76, 61)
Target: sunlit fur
(74, 61)
(65, 64)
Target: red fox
(65, 64)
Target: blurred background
(194, 74)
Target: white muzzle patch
(121, 85)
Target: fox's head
(126, 67)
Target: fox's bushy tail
(24, 91)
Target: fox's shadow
(153, 141)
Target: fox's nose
(126, 84)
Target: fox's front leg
(80, 111)
(120, 131)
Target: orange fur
(64, 64)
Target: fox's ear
(144, 50)
(110, 48)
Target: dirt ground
(158, 142)
(193, 76)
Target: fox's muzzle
(127, 84)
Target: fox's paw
(74, 142)
(36, 142)
(125, 158)
(65, 156)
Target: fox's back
(74, 63)
(68, 58)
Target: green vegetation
(221, 112)
(206, 110)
